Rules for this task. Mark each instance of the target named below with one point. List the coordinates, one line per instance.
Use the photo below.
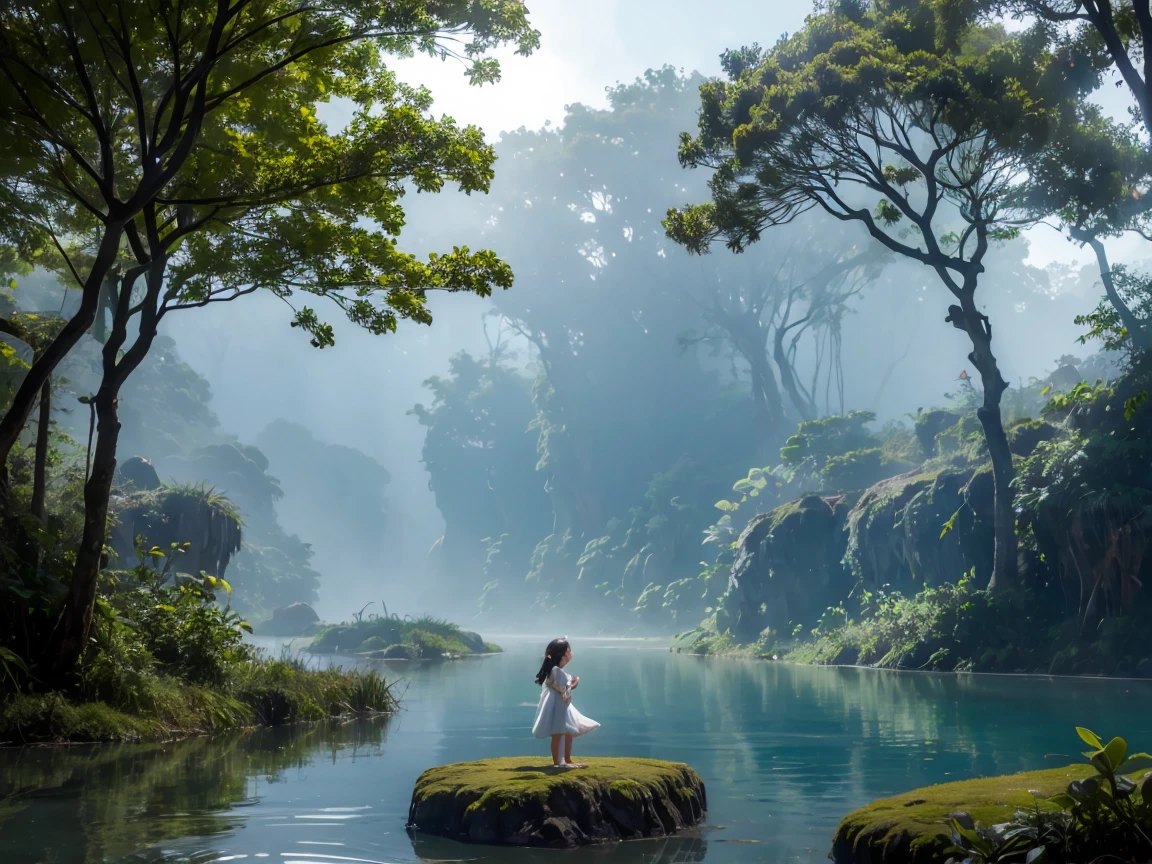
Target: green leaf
(1089, 738)
(1134, 404)
(1116, 752)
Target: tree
(1094, 178)
(897, 120)
(1119, 31)
(190, 132)
(109, 109)
(479, 452)
(801, 288)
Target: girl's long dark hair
(553, 654)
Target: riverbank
(156, 707)
(1087, 812)
(949, 628)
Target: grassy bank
(398, 638)
(156, 707)
(1094, 811)
(951, 628)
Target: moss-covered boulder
(788, 565)
(527, 802)
(912, 828)
(922, 528)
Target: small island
(525, 801)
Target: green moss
(513, 781)
(914, 823)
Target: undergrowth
(153, 705)
(952, 627)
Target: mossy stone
(912, 828)
(521, 801)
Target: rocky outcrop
(137, 474)
(922, 528)
(208, 523)
(526, 802)
(297, 619)
(788, 565)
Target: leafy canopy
(194, 128)
(891, 114)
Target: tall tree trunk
(76, 618)
(966, 317)
(40, 466)
(16, 417)
(805, 407)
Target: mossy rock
(788, 566)
(373, 643)
(522, 801)
(912, 828)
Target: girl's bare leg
(556, 748)
(568, 750)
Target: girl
(556, 716)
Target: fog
(629, 399)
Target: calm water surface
(784, 751)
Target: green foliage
(422, 638)
(951, 627)
(175, 618)
(817, 441)
(1107, 325)
(1108, 814)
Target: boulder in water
(522, 801)
(296, 619)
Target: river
(785, 751)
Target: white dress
(554, 716)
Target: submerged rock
(400, 652)
(527, 802)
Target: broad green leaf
(1089, 738)
(1116, 752)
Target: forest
(768, 361)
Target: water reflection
(125, 802)
(785, 752)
